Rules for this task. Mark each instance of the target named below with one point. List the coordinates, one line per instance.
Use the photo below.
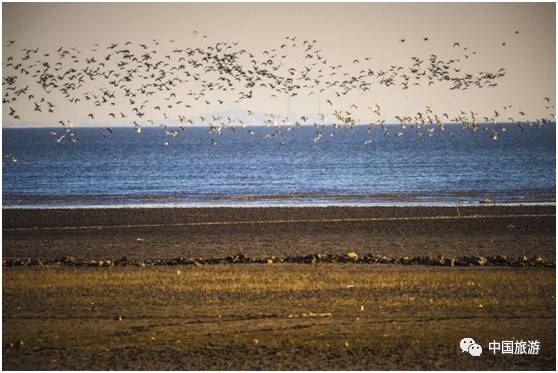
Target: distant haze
(343, 31)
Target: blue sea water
(454, 166)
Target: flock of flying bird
(143, 84)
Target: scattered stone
(351, 257)
(121, 262)
(68, 260)
(480, 261)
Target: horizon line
(144, 126)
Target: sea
(287, 167)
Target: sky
(344, 32)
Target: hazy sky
(343, 32)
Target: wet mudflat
(166, 233)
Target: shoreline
(273, 205)
(181, 199)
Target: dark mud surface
(218, 232)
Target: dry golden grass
(273, 316)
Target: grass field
(281, 316)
